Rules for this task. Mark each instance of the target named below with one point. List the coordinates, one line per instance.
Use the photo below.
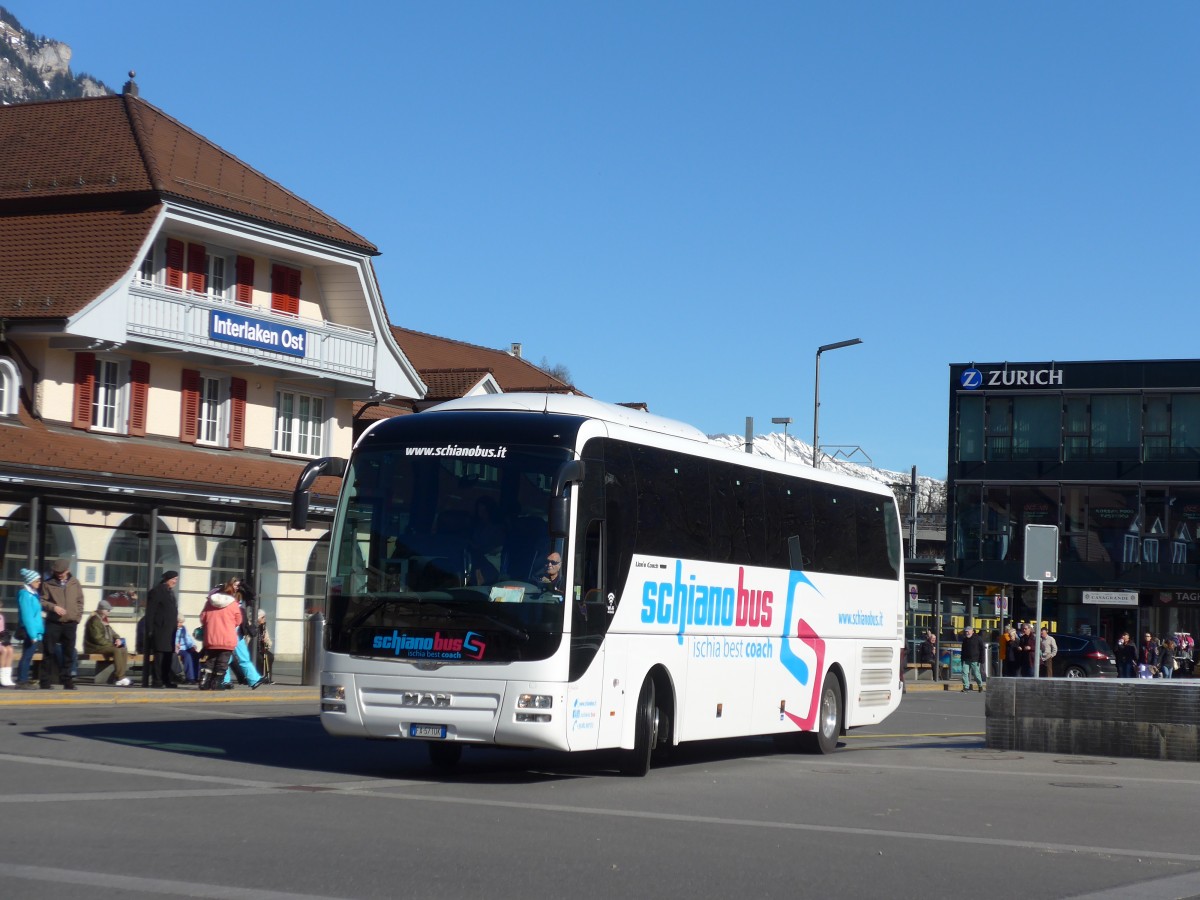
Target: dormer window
(218, 273)
(10, 386)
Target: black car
(1083, 656)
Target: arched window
(59, 543)
(10, 387)
(126, 563)
(229, 560)
(316, 577)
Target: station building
(179, 336)
(1109, 452)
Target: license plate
(427, 731)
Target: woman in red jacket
(220, 618)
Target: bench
(104, 666)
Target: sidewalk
(286, 689)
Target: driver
(551, 578)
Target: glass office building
(1107, 451)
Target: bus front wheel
(829, 721)
(636, 762)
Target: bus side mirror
(560, 510)
(327, 465)
(571, 472)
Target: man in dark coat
(162, 616)
(972, 656)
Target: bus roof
(573, 405)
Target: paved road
(165, 793)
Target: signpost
(1041, 565)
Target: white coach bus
(538, 570)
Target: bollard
(314, 639)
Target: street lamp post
(816, 461)
(785, 421)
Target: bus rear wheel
(636, 762)
(445, 756)
(829, 721)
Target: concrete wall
(1143, 718)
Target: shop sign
(1111, 598)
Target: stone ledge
(1142, 718)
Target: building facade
(179, 336)
(1109, 452)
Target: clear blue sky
(681, 201)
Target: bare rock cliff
(38, 68)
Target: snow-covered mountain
(931, 491)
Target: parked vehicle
(1083, 656)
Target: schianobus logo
(429, 646)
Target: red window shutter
(85, 386)
(245, 280)
(197, 274)
(237, 414)
(174, 263)
(285, 289)
(139, 395)
(189, 405)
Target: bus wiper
(380, 602)
(519, 633)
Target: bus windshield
(443, 554)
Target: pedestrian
(1011, 641)
(1126, 654)
(99, 637)
(1027, 650)
(1148, 657)
(240, 663)
(971, 656)
(32, 625)
(219, 619)
(189, 655)
(162, 614)
(1047, 650)
(1167, 664)
(266, 651)
(6, 654)
(62, 602)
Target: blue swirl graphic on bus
(793, 663)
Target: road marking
(160, 886)
(1187, 885)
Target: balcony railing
(182, 318)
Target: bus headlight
(535, 701)
(333, 698)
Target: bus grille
(878, 656)
(874, 698)
(877, 676)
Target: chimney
(515, 350)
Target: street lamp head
(839, 344)
(816, 442)
(782, 420)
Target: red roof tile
(53, 265)
(30, 447)
(433, 354)
(116, 150)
